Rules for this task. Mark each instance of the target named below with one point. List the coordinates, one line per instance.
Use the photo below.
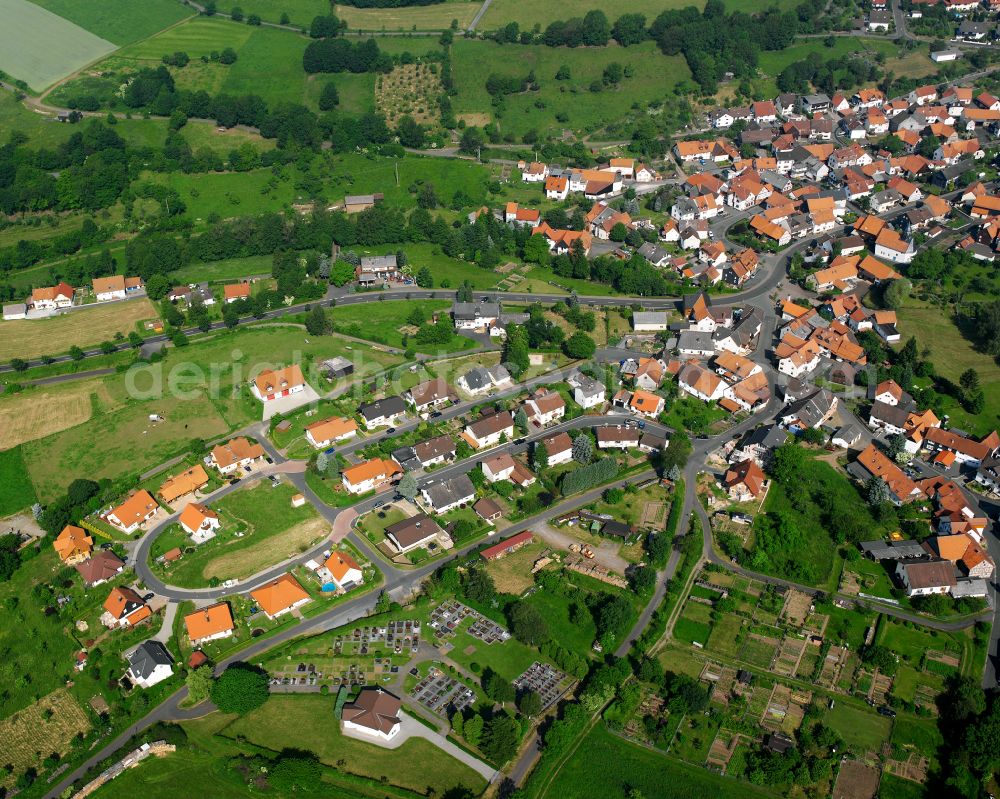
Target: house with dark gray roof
(449, 494)
(383, 412)
(810, 412)
(149, 664)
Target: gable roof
(271, 380)
(409, 531)
(373, 708)
(211, 620)
(331, 429)
(195, 514)
(186, 482)
(339, 564)
(878, 465)
(746, 473)
(135, 508)
(374, 469)
(103, 565)
(236, 450)
(146, 657)
(123, 602)
(73, 541)
(279, 594)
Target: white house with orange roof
(535, 172)
(199, 521)
(280, 596)
(646, 404)
(51, 298)
(556, 188)
(514, 214)
(124, 608)
(342, 569)
(370, 475)
(133, 512)
(236, 291)
(272, 384)
(210, 623)
(116, 287)
(701, 383)
(323, 433)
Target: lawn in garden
(862, 729)
(308, 721)
(259, 528)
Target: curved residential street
(762, 292)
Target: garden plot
(914, 768)
(785, 709)
(722, 749)
(797, 607)
(724, 680)
(409, 90)
(833, 666)
(856, 780)
(759, 650)
(440, 693)
(786, 663)
(549, 683)
(49, 725)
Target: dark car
(390, 431)
(886, 711)
(435, 415)
(329, 450)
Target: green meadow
(119, 21)
(571, 100)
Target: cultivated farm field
(39, 412)
(409, 90)
(29, 338)
(119, 21)
(420, 18)
(40, 47)
(47, 725)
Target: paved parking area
(290, 403)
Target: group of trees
(342, 55)
(389, 3)
(714, 42)
(88, 171)
(584, 477)
(828, 74)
